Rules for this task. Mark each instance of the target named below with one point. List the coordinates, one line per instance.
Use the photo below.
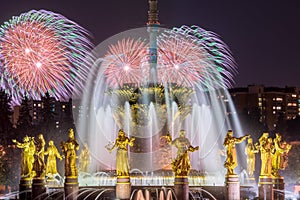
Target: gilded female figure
(52, 153)
(279, 160)
(266, 154)
(250, 151)
(69, 149)
(121, 143)
(39, 164)
(26, 165)
(84, 159)
(231, 160)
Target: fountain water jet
(148, 111)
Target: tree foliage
(6, 125)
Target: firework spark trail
(123, 62)
(41, 52)
(187, 56)
(218, 52)
(179, 60)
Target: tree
(25, 118)
(47, 125)
(10, 167)
(6, 125)
(293, 129)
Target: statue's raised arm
(121, 143)
(229, 143)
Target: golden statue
(250, 151)
(31, 154)
(284, 157)
(39, 164)
(27, 156)
(279, 160)
(122, 165)
(181, 165)
(52, 153)
(231, 159)
(84, 159)
(69, 149)
(266, 150)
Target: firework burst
(219, 62)
(123, 62)
(186, 56)
(43, 52)
(179, 60)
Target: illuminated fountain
(153, 81)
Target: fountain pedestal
(51, 183)
(278, 184)
(25, 185)
(181, 187)
(123, 187)
(38, 188)
(232, 187)
(71, 188)
(250, 181)
(265, 188)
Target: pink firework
(180, 60)
(41, 52)
(123, 62)
(35, 56)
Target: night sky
(264, 35)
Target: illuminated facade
(274, 105)
(60, 109)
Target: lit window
(34, 113)
(259, 104)
(259, 99)
(34, 117)
(294, 95)
(274, 112)
(274, 107)
(57, 126)
(278, 107)
(39, 105)
(34, 105)
(63, 106)
(278, 99)
(57, 122)
(74, 106)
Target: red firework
(35, 56)
(123, 62)
(179, 61)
